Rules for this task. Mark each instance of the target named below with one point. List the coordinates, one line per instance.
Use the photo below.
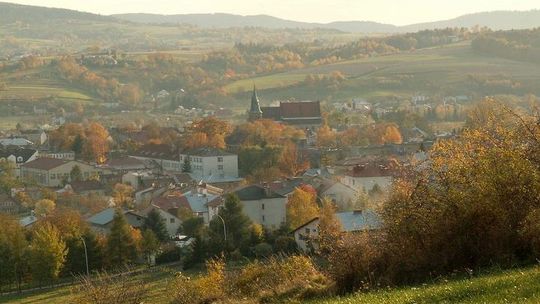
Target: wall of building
(305, 236)
(271, 212)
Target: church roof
(255, 106)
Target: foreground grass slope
(513, 286)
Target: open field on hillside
(512, 286)
(432, 70)
(516, 286)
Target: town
(221, 158)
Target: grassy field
(516, 286)
(512, 286)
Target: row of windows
(66, 175)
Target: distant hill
(10, 13)
(499, 20)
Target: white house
(211, 165)
(338, 192)
(263, 206)
(364, 177)
(52, 172)
(172, 223)
(306, 236)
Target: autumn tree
(290, 162)
(96, 145)
(150, 244)
(208, 132)
(47, 253)
(13, 251)
(75, 174)
(301, 208)
(326, 137)
(123, 194)
(44, 207)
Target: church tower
(255, 112)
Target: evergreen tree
(77, 145)
(75, 175)
(47, 253)
(237, 225)
(121, 247)
(155, 222)
(76, 261)
(186, 167)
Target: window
(263, 218)
(220, 159)
(262, 206)
(53, 176)
(220, 167)
(307, 231)
(172, 220)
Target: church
(301, 114)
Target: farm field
(427, 70)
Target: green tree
(77, 146)
(155, 222)
(75, 175)
(13, 251)
(237, 225)
(47, 253)
(75, 259)
(186, 167)
(149, 244)
(121, 247)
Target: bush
(204, 289)
(262, 250)
(531, 231)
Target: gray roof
(206, 152)
(355, 220)
(255, 192)
(105, 216)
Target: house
(171, 202)
(165, 156)
(37, 136)
(263, 206)
(17, 156)
(212, 165)
(338, 192)
(302, 114)
(15, 141)
(364, 177)
(28, 221)
(52, 172)
(101, 222)
(172, 223)
(306, 235)
(200, 198)
(8, 205)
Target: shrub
(204, 289)
(262, 250)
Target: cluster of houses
(162, 182)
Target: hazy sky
(399, 12)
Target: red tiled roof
(45, 163)
(125, 161)
(171, 201)
(300, 109)
(90, 185)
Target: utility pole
(85, 255)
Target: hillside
(433, 70)
(10, 13)
(499, 20)
(516, 286)
(513, 286)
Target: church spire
(255, 109)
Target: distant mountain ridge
(497, 20)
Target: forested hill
(11, 13)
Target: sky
(398, 12)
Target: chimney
(266, 189)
